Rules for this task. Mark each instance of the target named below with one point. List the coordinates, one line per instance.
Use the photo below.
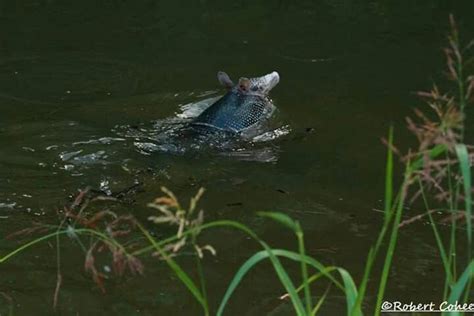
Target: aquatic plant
(110, 233)
(442, 171)
(440, 168)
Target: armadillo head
(255, 86)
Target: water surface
(84, 90)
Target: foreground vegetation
(437, 173)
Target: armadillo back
(236, 112)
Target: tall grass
(438, 172)
(189, 228)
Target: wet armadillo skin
(236, 111)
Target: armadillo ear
(244, 84)
(224, 80)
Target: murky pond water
(88, 92)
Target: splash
(173, 135)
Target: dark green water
(77, 79)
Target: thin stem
(304, 269)
(202, 280)
(392, 241)
(439, 242)
(85, 231)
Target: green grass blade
(319, 275)
(392, 240)
(80, 231)
(433, 153)
(460, 285)
(187, 281)
(463, 156)
(264, 254)
(30, 244)
(304, 268)
(244, 268)
(279, 269)
(287, 283)
(388, 258)
(365, 279)
(350, 291)
(281, 218)
(389, 176)
(295, 226)
(388, 214)
(439, 241)
(320, 302)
